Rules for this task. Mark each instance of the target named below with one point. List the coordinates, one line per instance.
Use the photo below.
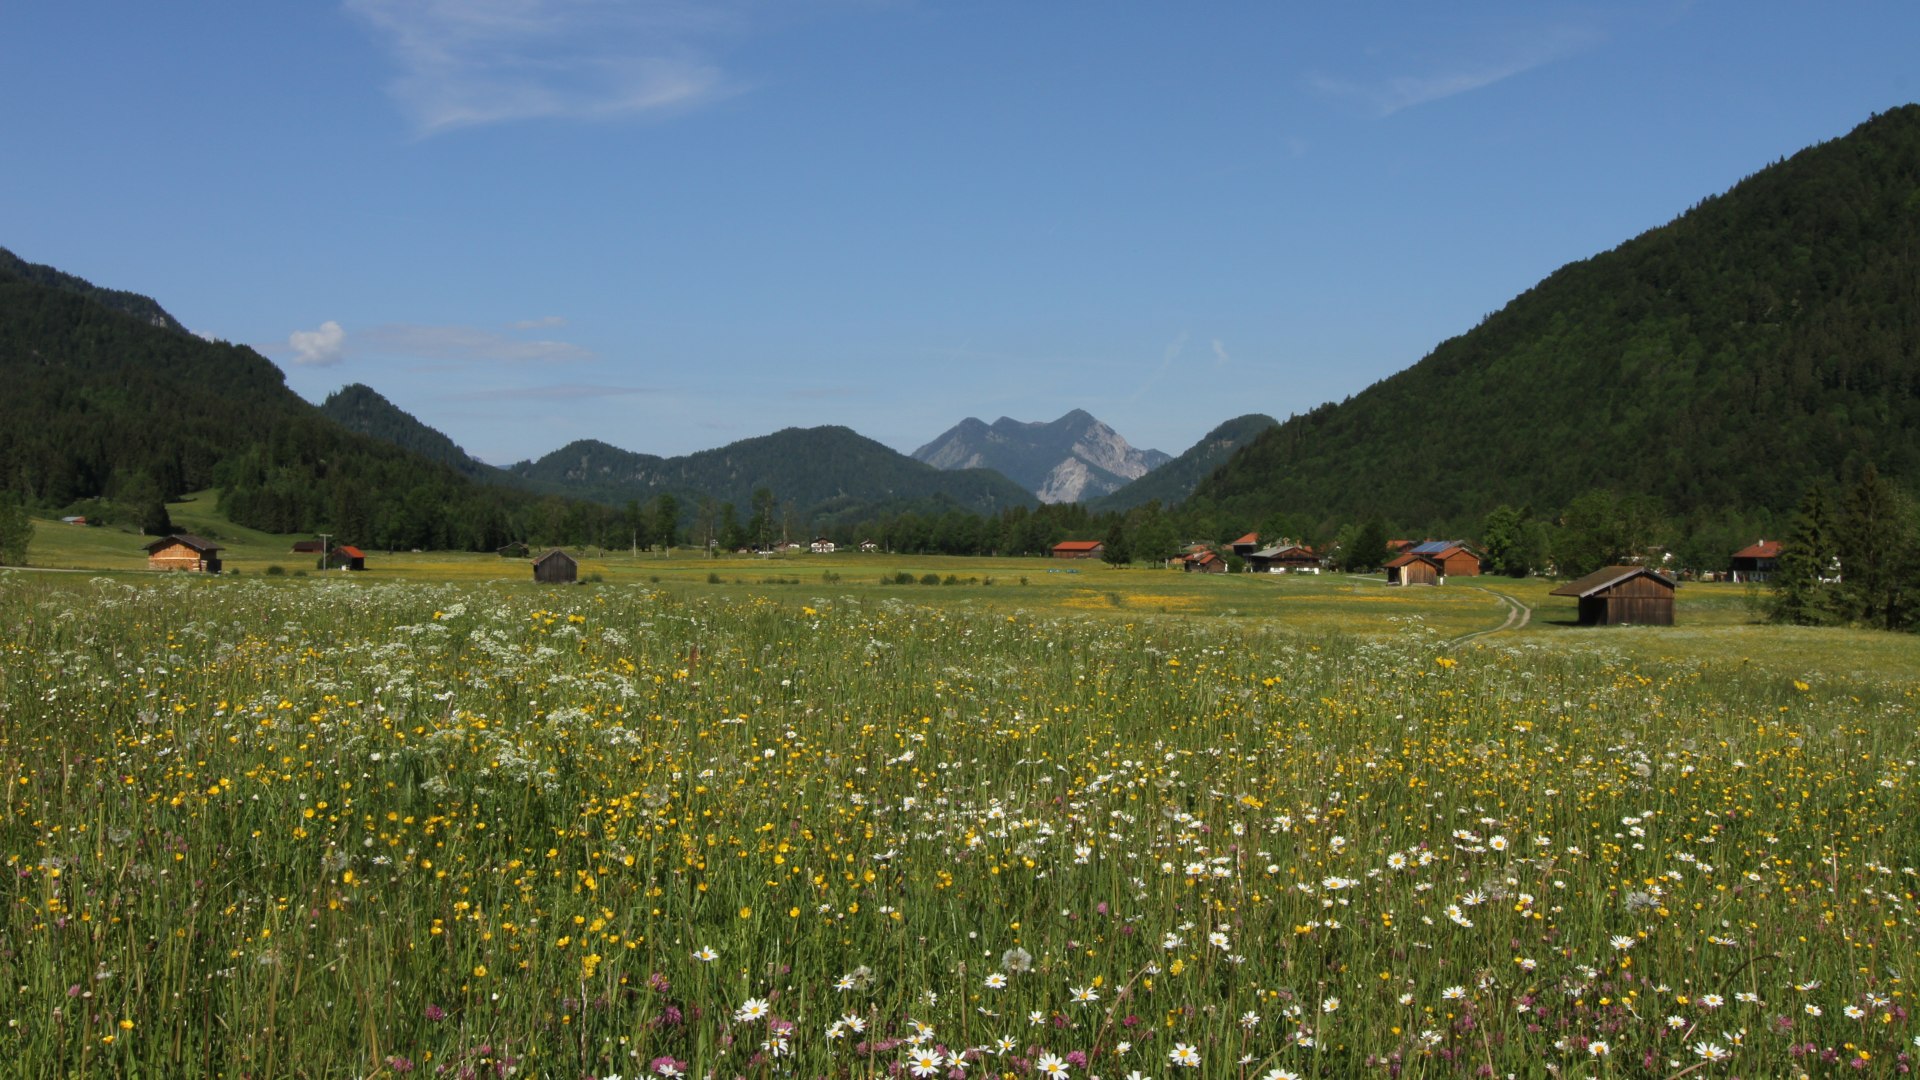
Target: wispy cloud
(1483, 65)
(464, 344)
(322, 347)
(545, 322)
(1220, 356)
(464, 63)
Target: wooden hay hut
(309, 547)
(1415, 569)
(345, 557)
(184, 551)
(514, 550)
(556, 567)
(1079, 549)
(1622, 595)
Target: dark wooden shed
(556, 567)
(514, 550)
(1622, 595)
(345, 557)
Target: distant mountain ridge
(1764, 341)
(144, 308)
(1074, 458)
(1173, 482)
(829, 474)
(359, 407)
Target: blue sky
(672, 225)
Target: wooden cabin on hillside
(309, 547)
(1622, 595)
(184, 551)
(556, 567)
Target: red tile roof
(1250, 538)
(1765, 549)
(1077, 545)
(349, 551)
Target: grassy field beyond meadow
(349, 825)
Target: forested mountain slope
(1766, 339)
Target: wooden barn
(345, 557)
(1079, 549)
(514, 550)
(556, 567)
(309, 547)
(1622, 595)
(1415, 569)
(184, 551)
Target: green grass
(346, 826)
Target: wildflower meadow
(259, 828)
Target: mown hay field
(352, 827)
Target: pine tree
(16, 530)
(1114, 549)
(1802, 593)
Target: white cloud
(545, 322)
(318, 348)
(464, 343)
(1494, 63)
(1220, 353)
(469, 62)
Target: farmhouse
(821, 546)
(1619, 595)
(184, 551)
(1079, 549)
(1756, 562)
(556, 567)
(869, 545)
(1282, 558)
(346, 557)
(1246, 545)
(1415, 569)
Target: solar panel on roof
(1431, 547)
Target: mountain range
(1765, 341)
(1072, 459)
(828, 475)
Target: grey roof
(551, 554)
(1606, 578)
(1434, 547)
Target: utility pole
(324, 550)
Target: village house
(1246, 545)
(1756, 562)
(184, 551)
(821, 546)
(1079, 549)
(869, 545)
(1620, 595)
(556, 567)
